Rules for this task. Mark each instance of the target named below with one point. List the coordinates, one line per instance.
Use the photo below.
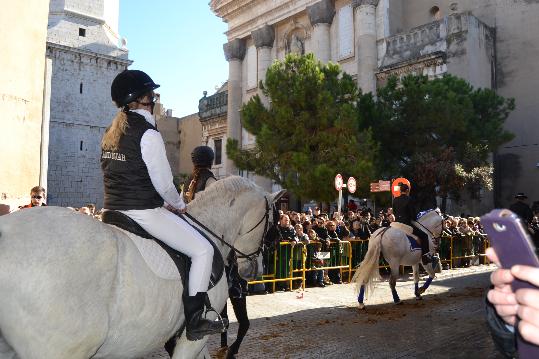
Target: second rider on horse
(405, 212)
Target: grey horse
(75, 288)
(394, 245)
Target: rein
(428, 230)
(239, 254)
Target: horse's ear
(274, 197)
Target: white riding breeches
(178, 234)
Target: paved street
(325, 323)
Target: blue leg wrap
(416, 292)
(427, 283)
(361, 295)
(396, 298)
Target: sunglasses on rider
(152, 97)
(36, 197)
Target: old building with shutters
(489, 43)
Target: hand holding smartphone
(513, 246)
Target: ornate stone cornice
(264, 36)
(322, 12)
(234, 50)
(356, 3)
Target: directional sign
(351, 184)
(395, 186)
(385, 186)
(338, 182)
(375, 187)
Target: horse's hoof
(398, 302)
(361, 306)
(418, 297)
(422, 290)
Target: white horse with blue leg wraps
(75, 288)
(397, 249)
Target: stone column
(321, 16)
(263, 39)
(234, 54)
(366, 50)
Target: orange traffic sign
(395, 186)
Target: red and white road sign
(351, 184)
(338, 182)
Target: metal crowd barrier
(456, 249)
(291, 261)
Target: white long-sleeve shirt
(155, 157)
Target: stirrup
(209, 308)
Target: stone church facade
(489, 43)
(87, 53)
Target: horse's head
(433, 221)
(256, 230)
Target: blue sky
(179, 44)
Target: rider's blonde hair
(111, 138)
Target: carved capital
(356, 3)
(264, 36)
(322, 12)
(234, 50)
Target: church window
(81, 143)
(435, 13)
(218, 150)
(80, 88)
(82, 32)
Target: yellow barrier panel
(291, 261)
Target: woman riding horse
(138, 183)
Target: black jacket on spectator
(287, 233)
(322, 232)
(342, 232)
(504, 340)
(333, 236)
(404, 210)
(522, 210)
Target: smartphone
(509, 237)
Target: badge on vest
(113, 156)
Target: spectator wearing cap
(521, 208)
(37, 198)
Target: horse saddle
(415, 243)
(182, 261)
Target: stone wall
(83, 68)
(516, 75)
(21, 99)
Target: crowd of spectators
(322, 229)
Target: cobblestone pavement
(325, 323)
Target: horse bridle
(430, 232)
(239, 254)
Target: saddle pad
(155, 257)
(403, 227)
(414, 243)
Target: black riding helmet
(129, 85)
(202, 156)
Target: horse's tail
(368, 272)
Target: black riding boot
(197, 326)
(426, 257)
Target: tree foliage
(311, 131)
(438, 133)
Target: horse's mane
(224, 190)
(427, 212)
